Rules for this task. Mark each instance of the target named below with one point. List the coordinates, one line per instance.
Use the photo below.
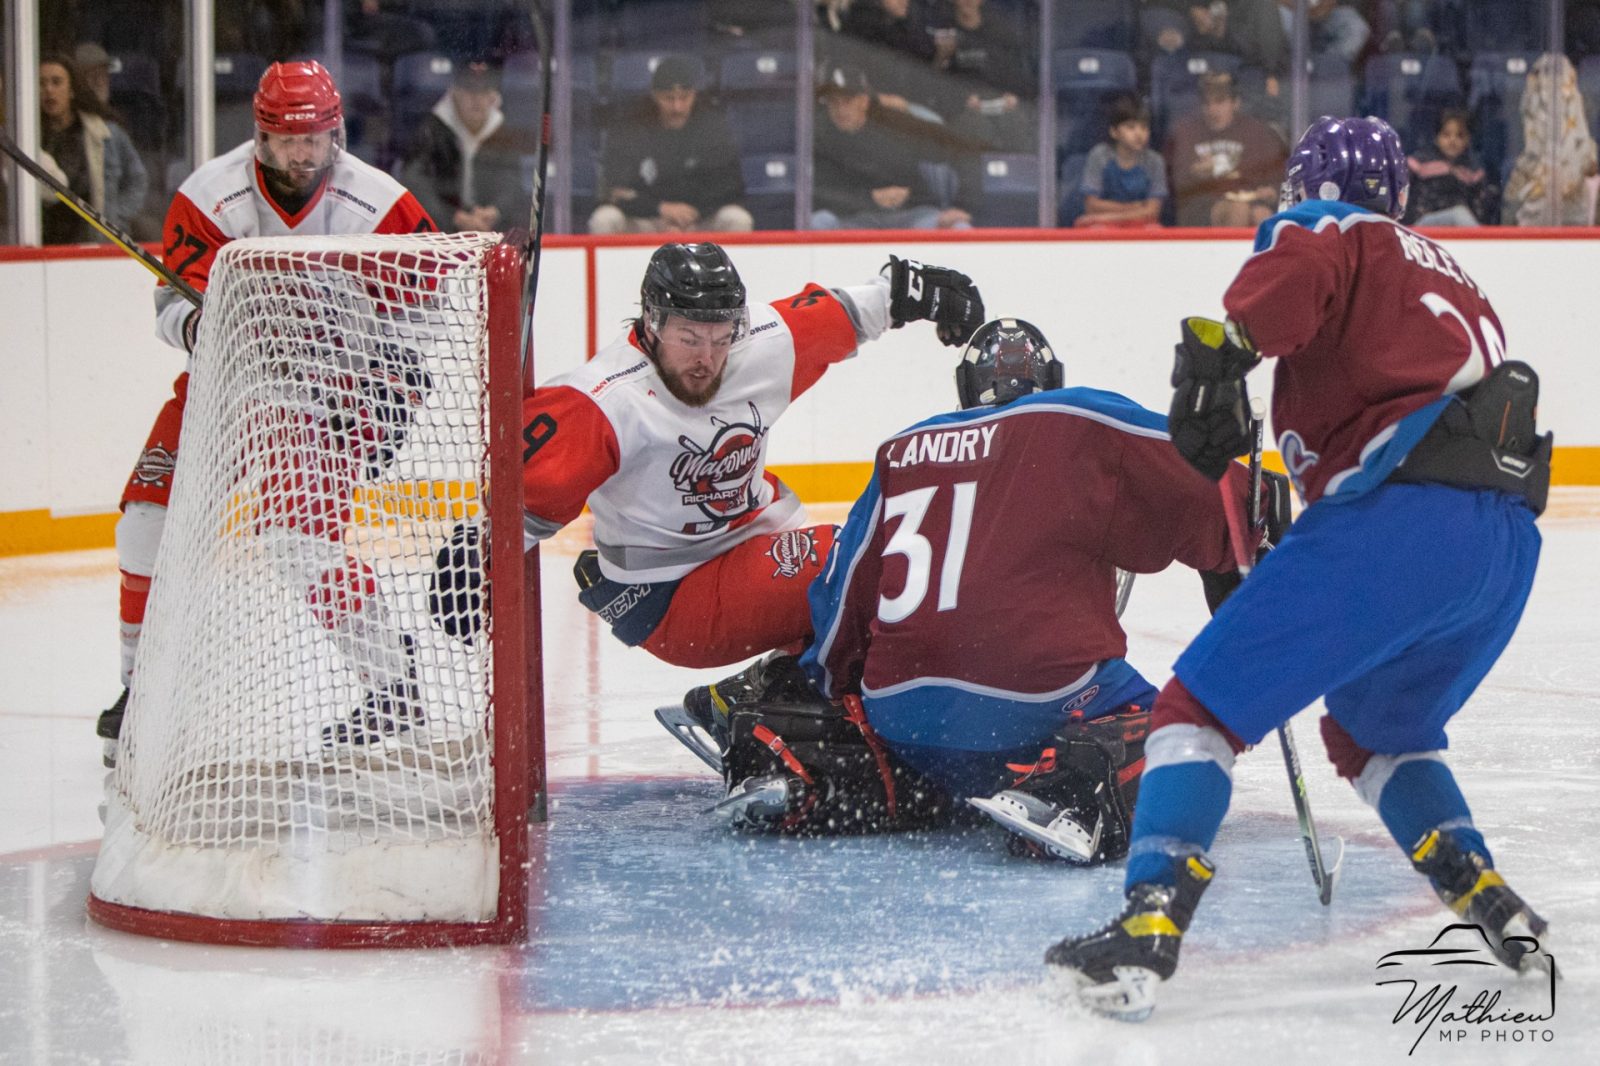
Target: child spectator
(1124, 181)
(1449, 186)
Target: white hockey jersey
(226, 199)
(673, 486)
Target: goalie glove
(1210, 415)
(945, 297)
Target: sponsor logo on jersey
(1296, 458)
(155, 466)
(717, 477)
(764, 326)
(230, 198)
(346, 194)
(610, 379)
(792, 551)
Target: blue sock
(1422, 795)
(1180, 808)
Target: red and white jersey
(673, 486)
(226, 199)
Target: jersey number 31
(912, 507)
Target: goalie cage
(308, 759)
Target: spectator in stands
(672, 165)
(1407, 26)
(866, 172)
(1534, 195)
(464, 164)
(1337, 29)
(1449, 186)
(99, 161)
(95, 67)
(1225, 164)
(1124, 181)
(902, 41)
(1249, 29)
(992, 80)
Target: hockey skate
(701, 722)
(1471, 888)
(109, 728)
(758, 802)
(388, 712)
(1040, 829)
(1116, 969)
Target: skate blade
(1077, 848)
(755, 804)
(687, 732)
(1131, 997)
(1536, 958)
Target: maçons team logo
(1455, 991)
(155, 466)
(792, 551)
(716, 477)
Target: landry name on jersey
(673, 486)
(226, 199)
(1373, 325)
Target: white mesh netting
(303, 741)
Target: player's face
(298, 158)
(55, 92)
(691, 357)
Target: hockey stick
(1245, 536)
(1124, 589)
(97, 220)
(530, 288)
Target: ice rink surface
(660, 938)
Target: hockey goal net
(330, 742)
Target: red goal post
(311, 756)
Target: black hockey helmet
(1006, 358)
(693, 281)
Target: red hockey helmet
(298, 97)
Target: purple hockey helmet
(1357, 160)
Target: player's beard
(683, 393)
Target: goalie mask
(1005, 359)
(697, 282)
(299, 124)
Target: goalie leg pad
(842, 780)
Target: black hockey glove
(945, 297)
(456, 596)
(1277, 515)
(1210, 415)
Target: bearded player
(703, 556)
(294, 178)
